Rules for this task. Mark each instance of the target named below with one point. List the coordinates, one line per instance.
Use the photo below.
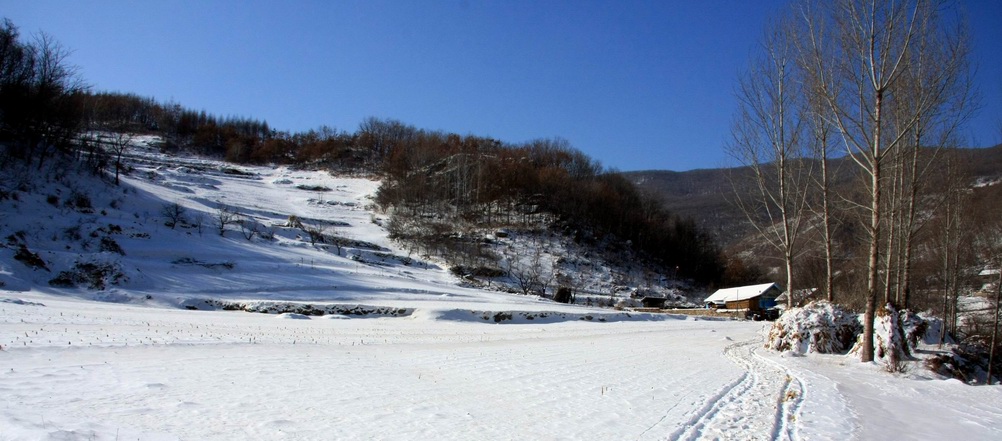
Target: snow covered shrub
(111, 246)
(957, 364)
(914, 326)
(80, 202)
(894, 333)
(318, 188)
(33, 260)
(891, 344)
(72, 234)
(93, 275)
(625, 303)
(819, 327)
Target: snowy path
(761, 404)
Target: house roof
(740, 293)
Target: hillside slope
(287, 236)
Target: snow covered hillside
(192, 232)
(119, 241)
(367, 341)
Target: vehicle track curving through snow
(762, 404)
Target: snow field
(174, 374)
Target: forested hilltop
(445, 192)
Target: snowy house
(753, 297)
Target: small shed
(752, 297)
(653, 302)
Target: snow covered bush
(819, 327)
(915, 327)
(92, 275)
(961, 362)
(825, 328)
(895, 334)
(33, 260)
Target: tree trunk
(872, 278)
(892, 219)
(995, 325)
(947, 233)
(904, 289)
(826, 215)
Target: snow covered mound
(895, 334)
(824, 328)
(819, 327)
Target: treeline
(430, 175)
(181, 128)
(45, 106)
(41, 99)
(239, 140)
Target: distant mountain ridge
(706, 195)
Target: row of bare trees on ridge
(882, 88)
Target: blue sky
(636, 85)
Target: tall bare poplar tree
(934, 129)
(821, 145)
(768, 138)
(860, 51)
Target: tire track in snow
(761, 404)
(790, 401)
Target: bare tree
(198, 221)
(952, 234)
(990, 241)
(118, 143)
(54, 112)
(821, 147)
(768, 138)
(859, 51)
(524, 264)
(934, 129)
(520, 269)
(173, 213)
(315, 231)
(990, 245)
(248, 227)
(224, 217)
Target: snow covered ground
(138, 365)
(84, 370)
(78, 369)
